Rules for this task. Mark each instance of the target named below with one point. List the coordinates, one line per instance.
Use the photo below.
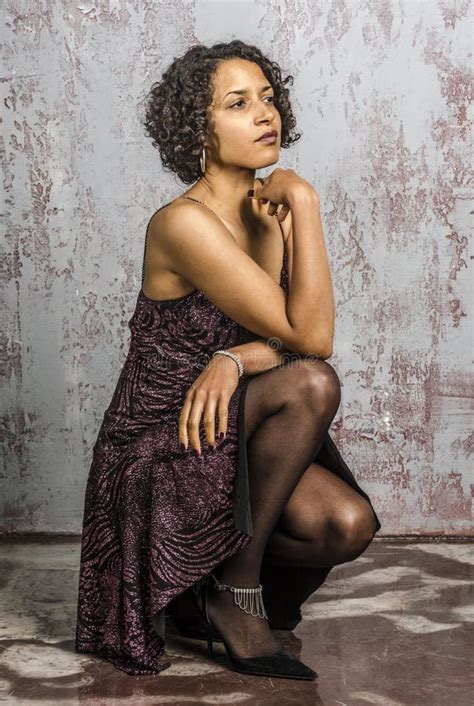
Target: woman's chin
(271, 159)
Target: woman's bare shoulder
(161, 213)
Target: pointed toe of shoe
(297, 667)
(279, 664)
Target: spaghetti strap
(198, 201)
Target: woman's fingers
(187, 417)
(198, 404)
(194, 419)
(183, 420)
(209, 421)
(273, 208)
(222, 410)
(282, 213)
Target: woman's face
(241, 111)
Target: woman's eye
(239, 102)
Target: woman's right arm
(205, 253)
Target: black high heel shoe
(188, 621)
(279, 664)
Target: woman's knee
(303, 385)
(316, 383)
(354, 529)
(344, 536)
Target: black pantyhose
(325, 522)
(288, 411)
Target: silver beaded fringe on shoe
(245, 598)
(250, 598)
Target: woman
(213, 469)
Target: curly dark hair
(176, 116)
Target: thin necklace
(237, 225)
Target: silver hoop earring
(202, 160)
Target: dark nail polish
(221, 435)
(250, 192)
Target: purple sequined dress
(158, 519)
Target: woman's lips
(269, 140)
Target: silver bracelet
(234, 357)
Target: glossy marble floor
(391, 628)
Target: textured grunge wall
(382, 91)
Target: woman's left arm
(217, 383)
(259, 355)
(263, 354)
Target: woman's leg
(288, 411)
(325, 522)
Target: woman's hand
(278, 188)
(210, 392)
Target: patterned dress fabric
(158, 519)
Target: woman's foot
(246, 635)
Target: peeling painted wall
(382, 92)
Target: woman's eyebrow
(241, 91)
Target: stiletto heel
(186, 618)
(210, 647)
(279, 664)
(203, 589)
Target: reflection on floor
(390, 628)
